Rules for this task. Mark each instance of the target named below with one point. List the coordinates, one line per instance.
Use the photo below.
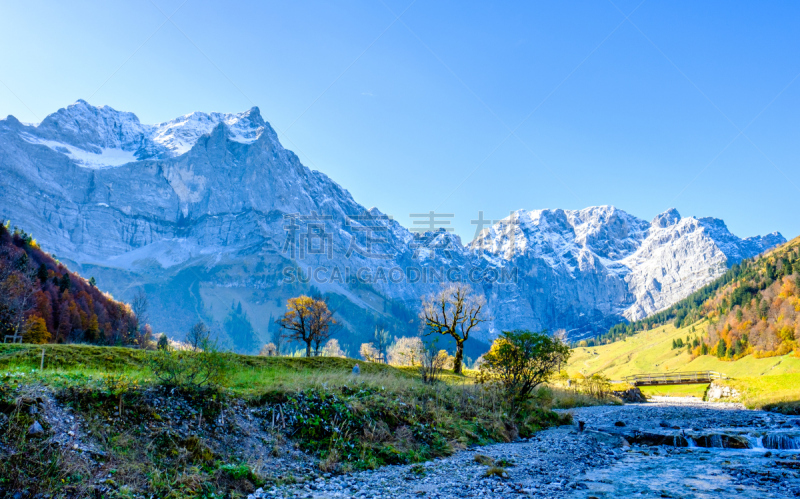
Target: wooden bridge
(683, 378)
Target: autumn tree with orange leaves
(309, 321)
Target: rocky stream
(678, 448)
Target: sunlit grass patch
(780, 392)
(697, 390)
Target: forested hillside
(46, 303)
(759, 313)
(754, 308)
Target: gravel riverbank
(599, 462)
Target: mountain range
(214, 219)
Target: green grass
(385, 415)
(779, 392)
(652, 352)
(468, 413)
(768, 383)
(247, 375)
(675, 390)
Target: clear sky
(456, 106)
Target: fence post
(41, 365)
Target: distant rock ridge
(202, 209)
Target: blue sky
(455, 106)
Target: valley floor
(566, 463)
(771, 383)
(652, 352)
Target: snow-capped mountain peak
(180, 135)
(102, 137)
(669, 217)
(226, 210)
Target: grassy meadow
(697, 391)
(767, 383)
(177, 443)
(651, 352)
(247, 376)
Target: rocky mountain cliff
(209, 210)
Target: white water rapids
(685, 448)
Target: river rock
(723, 441)
(631, 395)
(721, 392)
(35, 429)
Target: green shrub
(193, 370)
(236, 471)
(522, 360)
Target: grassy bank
(775, 393)
(225, 441)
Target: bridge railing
(674, 378)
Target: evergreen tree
(163, 342)
(721, 348)
(42, 273)
(66, 283)
(241, 332)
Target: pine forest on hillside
(754, 308)
(45, 303)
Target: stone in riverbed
(631, 395)
(35, 429)
(723, 441)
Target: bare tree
(139, 306)
(138, 328)
(405, 351)
(268, 350)
(455, 311)
(382, 340)
(369, 352)
(431, 362)
(199, 336)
